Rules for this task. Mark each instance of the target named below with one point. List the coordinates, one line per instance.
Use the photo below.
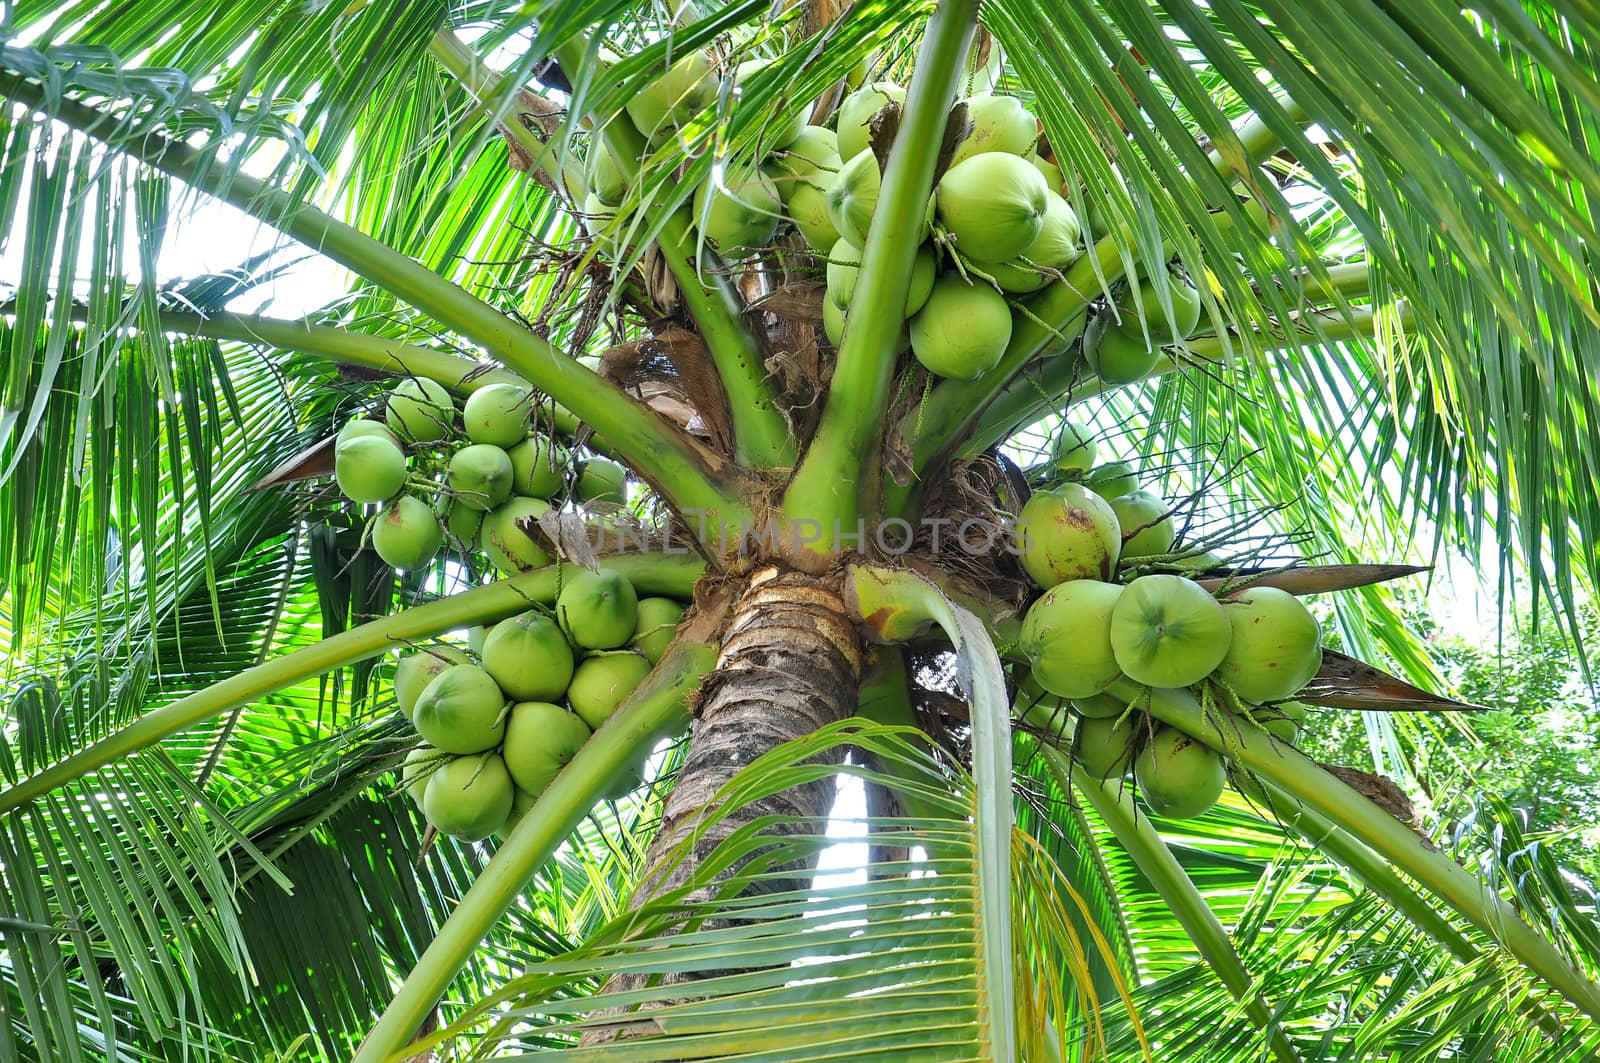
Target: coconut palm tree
(1385, 212)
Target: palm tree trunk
(790, 663)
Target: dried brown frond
(672, 372)
(540, 117)
(799, 360)
(968, 511)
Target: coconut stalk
(462, 376)
(485, 87)
(656, 706)
(761, 432)
(1377, 875)
(1143, 842)
(673, 575)
(1031, 395)
(1304, 781)
(658, 451)
(838, 480)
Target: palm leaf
(891, 965)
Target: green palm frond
(257, 887)
(1489, 176)
(891, 965)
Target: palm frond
(891, 965)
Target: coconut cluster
(474, 478)
(1255, 647)
(500, 719)
(1123, 342)
(995, 231)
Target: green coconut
(521, 802)
(983, 65)
(597, 219)
(598, 610)
(1058, 245)
(406, 534)
(687, 88)
(1113, 479)
(1042, 710)
(1168, 631)
(792, 125)
(461, 523)
(1179, 777)
(963, 329)
(607, 182)
(538, 467)
(999, 123)
(1066, 636)
(1051, 173)
(418, 768)
(844, 265)
(833, 322)
(808, 207)
(497, 414)
(461, 710)
(476, 636)
(363, 427)
(419, 410)
(1140, 302)
(414, 671)
(509, 535)
(812, 153)
(994, 205)
(924, 272)
(1067, 533)
(742, 214)
(469, 797)
(853, 197)
(541, 739)
(656, 626)
(1115, 356)
(1147, 526)
(529, 657)
(1276, 647)
(1285, 721)
(369, 468)
(480, 476)
(601, 681)
(856, 111)
(1075, 449)
(1103, 746)
(1100, 706)
(628, 778)
(601, 480)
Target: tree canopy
(1385, 212)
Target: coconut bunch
(1253, 648)
(498, 721)
(1123, 342)
(736, 215)
(996, 229)
(475, 478)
